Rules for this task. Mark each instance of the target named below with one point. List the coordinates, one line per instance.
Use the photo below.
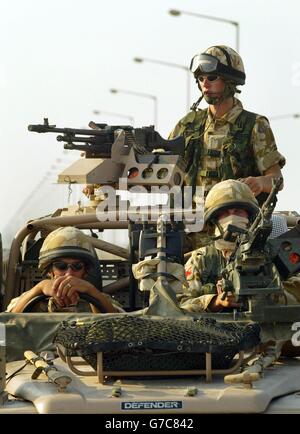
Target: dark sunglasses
(210, 78)
(63, 266)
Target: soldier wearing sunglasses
(224, 141)
(70, 264)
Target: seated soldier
(228, 202)
(68, 260)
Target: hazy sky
(60, 58)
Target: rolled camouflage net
(141, 343)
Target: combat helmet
(229, 194)
(70, 242)
(220, 60)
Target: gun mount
(139, 155)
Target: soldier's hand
(67, 288)
(48, 288)
(228, 301)
(88, 190)
(219, 301)
(256, 184)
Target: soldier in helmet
(228, 202)
(68, 260)
(225, 141)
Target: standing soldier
(225, 141)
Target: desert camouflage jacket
(239, 144)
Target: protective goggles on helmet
(207, 64)
(63, 266)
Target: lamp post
(172, 65)
(176, 13)
(119, 115)
(143, 95)
(285, 116)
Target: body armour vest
(237, 158)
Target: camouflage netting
(138, 343)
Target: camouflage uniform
(217, 137)
(202, 273)
(204, 267)
(64, 243)
(237, 145)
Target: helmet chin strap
(195, 105)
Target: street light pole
(119, 115)
(176, 13)
(172, 65)
(285, 116)
(140, 94)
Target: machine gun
(140, 155)
(258, 265)
(143, 158)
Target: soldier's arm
(46, 287)
(273, 172)
(197, 304)
(193, 270)
(65, 288)
(177, 131)
(268, 160)
(263, 183)
(217, 303)
(180, 127)
(209, 303)
(18, 304)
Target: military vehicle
(154, 358)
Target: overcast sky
(60, 58)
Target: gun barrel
(144, 139)
(67, 131)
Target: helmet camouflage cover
(229, 194)
(220, 60)
(65, 242)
